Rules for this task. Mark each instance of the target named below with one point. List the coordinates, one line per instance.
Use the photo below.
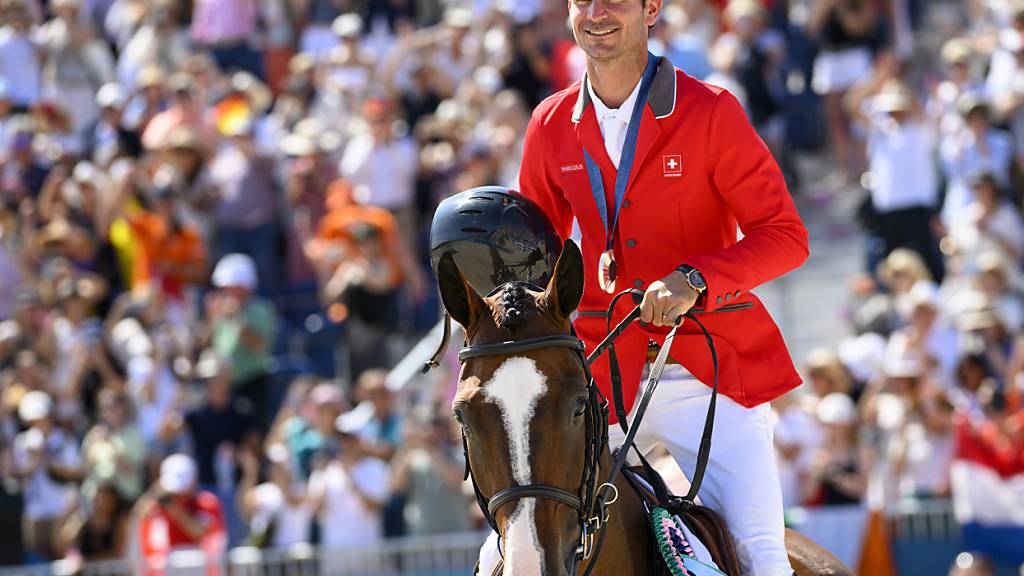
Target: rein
(592, 502)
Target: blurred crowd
(927, 126)
(213, 247)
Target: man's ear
(565, 289)
(459, 298)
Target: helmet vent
(474, 230)
(471, 211)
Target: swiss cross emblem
(672, 165)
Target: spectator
(428, 471)
(170, 255)
(277, 510)
(157, 42)
(20, 57)
(48, 462)
(921, 451)
(381, 167)
(989, 223)
(224, 28)
(110, 138)
(361, 261)
(849, 34)
(114, 452)
(978, 148)
(77, 62)
(900, 150)
(309, 431)
(837, 470)
(184, 109)
(826, 374)
(796, 436)
(99, 531)
(348, 489)
(378, 420)
(309, 176)
(242, 326)
(174, 513)
(248, 202)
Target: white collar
(623, 112)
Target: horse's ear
(459, 298)
(565, 289)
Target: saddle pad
(674, 544)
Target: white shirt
(291, 523)
(46, 498)
(20, 66)
(344, 520)
(383, 175)
(901, 160)
(614, 123)
(962, 156)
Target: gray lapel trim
(662, 97)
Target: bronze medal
(606, 271)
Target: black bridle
(591, 501)
(584, 500)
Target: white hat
(34, 405)
(235, 270)
(837, 408)
(177, 473)
(347, 26)
(863, 355)
(111, 95)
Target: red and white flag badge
(672, 165)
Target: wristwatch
(694, 278)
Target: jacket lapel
(661, 103)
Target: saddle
(706, 524)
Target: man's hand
(667, 299)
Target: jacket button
(718, 300)
(736, 294)
(638, 283)
(727, 296)
(631, 243)
(625, 203)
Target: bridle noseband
(586, 499)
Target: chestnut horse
(536, 436)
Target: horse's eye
(457, 414)
(581, 408)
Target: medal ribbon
(625, 162)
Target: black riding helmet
(495, 235)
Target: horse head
(529, 418)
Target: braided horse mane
(515, 301)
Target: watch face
(698, 279)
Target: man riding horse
(659, 170)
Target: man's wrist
(693, 278)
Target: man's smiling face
(607, 29)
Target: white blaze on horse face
(515, 388)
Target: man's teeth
(601, 33)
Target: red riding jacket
(700, 170)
